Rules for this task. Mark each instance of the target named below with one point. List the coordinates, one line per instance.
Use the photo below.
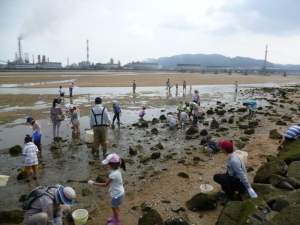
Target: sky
(134, 30)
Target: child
(61, 92)
(113, 162)
(142, 113)
(75, 119)
(183, 118)
(180, 106)
(31, 161)
(173, 122)
(37, 132)
(176, 87)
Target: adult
(251, 105)
(168, 84)
(49, 208)
(117, 111)
(54, 112)
(71, 86)
(196, 97)
(236, 85)
(194, 107)
(37, 132)
(291, 134)
(99, 122)
(184, 86)
(235, 178)
(134, 86)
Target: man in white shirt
(99, 122)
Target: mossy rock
(210, 112)
(15, 150)
(163, 117)
(265, 171)
(221, 112)
(253, 124)
(159, 146)
(250, 211)
(293, 109)
(139, 147)
(224, 120)
(239, 144)
(154, 121)
(154, 131)
(192, 130)
(201, 117)
(21, 175)
(203, 132)
(205, 123)
(242, 109)
(222, 129)
(244, 138)
(145, 159)
(289, 215)
(201, 201)
(180, 219)
(101, 179)
(281, 123)
(86, 192)
(271, 158)
(11, 217)
(293, 170)
(275, 135)
(183, 174)
(231, 119)
(132, 150)
(244, 127)
(155, 155)
(249, 131)
(152, 217)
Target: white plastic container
(80, 216)
(89, 136)
(242, 155)
(3, 180)
(205, 188)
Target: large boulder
(152, 217)
(214, 124)
(154, 121)
(265, 171)
(15, 150)
(290, 152)
(293, 170)
(192, 130)
(251, 211)
(180, 219)
(202, 201)
(163, 117)
(290, 215)
(282, 182)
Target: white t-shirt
(116, 186)
(173, 122)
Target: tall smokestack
(44, 59)
(87, 50)
(20, 51)
(39, 59)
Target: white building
(145, 66)
(192, 67)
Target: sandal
(27, 180)
(34, 178)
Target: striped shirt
(292, 132)
(30, 151)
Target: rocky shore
(166, 167)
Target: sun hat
(29, 119)
(226, 145)
(67, 194)
(114, 158)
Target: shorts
(289, 139)
(116, 201)
(27, 168)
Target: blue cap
(29, 119)
(67, 194)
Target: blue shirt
(116, 108)
(251, 103)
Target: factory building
(184, 67)
(109, 65)
(144, 66)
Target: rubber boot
(105, 153)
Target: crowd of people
(50, 207)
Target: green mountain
(216, 60)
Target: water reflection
(34, 83)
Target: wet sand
(153, 181)
(143, 79)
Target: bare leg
(34, 173)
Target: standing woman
(196, 97)
(54, 112)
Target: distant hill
(215, 60)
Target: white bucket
(205, 188)
(3, 180)
(80, 216)
(89, 136)
(242, 155)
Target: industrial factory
(22, 62)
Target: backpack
(37, 192)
